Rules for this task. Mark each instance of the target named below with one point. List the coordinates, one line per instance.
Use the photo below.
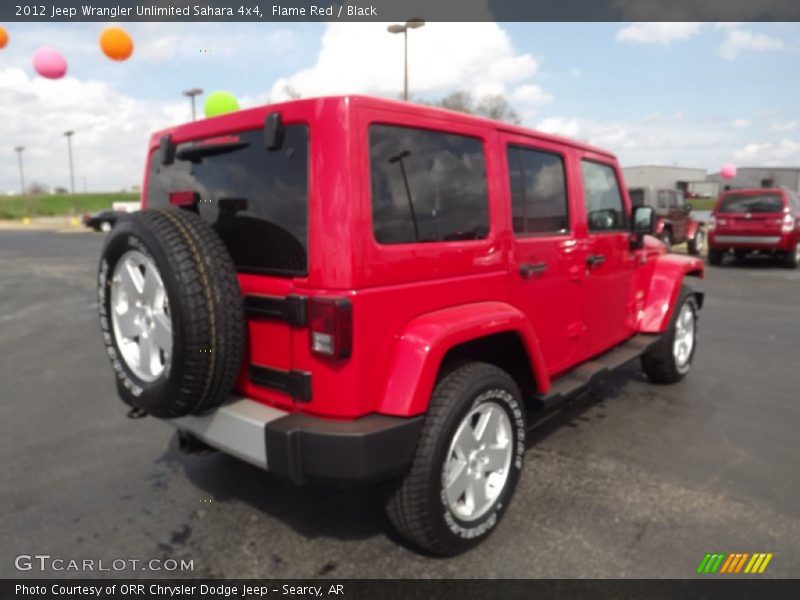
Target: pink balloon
(728, 171)
(49, 63)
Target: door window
(538, 191)
(605, 210)
(427, 186)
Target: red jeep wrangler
(674, 222)
(355, 289)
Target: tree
(493, 106)
(37, 188)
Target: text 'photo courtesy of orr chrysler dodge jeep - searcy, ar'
(351, 289)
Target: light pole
(19, 150)
(68, 135)
(411, 24)
(191, 94)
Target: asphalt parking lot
(632, 480)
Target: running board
(579, 378)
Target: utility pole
(412, 24)
(191, 94)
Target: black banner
(373, 589)
(394, 10)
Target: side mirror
(643, 222)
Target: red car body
(414, 303)
(755, 220)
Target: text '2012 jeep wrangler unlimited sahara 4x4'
(355, 289)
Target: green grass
(18, 207)
(702, 203)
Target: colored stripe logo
(737, 562)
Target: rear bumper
(304, 448)
(756, 242)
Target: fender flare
(664, 288)
(425, 341)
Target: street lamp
(19, 150)
(68, 135)
(191, 94)
(411, 24)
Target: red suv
(766, 221)
(355, 289)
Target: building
(760, 177)
(687, 179)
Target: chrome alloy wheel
(479, 460)
(684, 338)
(140, 316)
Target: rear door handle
(529, 270)
(595, 260)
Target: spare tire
(170, 312)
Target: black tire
(416, 504)
(715, 256)
(741, 254)
(659, 362)
(205, 309)
(666, 238)
(791, 259)
(696, 245)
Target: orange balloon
(116, 44)
(3, 37)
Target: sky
(688, 94)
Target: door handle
(529, 270)
(595, 260)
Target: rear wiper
(197, 153)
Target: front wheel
(467, 462)
(670, 358)
(697, 244)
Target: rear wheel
(666, 238)
(697, 244)
(792, 259)
(741, 254)
(467, 462)
(105, 226)
(670, 358)
(715, 256)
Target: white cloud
(111, 130)
(785, 125)
(740, 123)
(658, 33)
(364, 58)
(738, 41)
(560, 126)
(769, 153)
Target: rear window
(750, 203)
(427, 186)
(256, 199)
(637, 196)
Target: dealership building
(760, 177)
(687, 179)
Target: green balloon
(219, 103)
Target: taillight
(712, 223)
(788, 223)
(188, 198)
(331, 324)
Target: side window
(538, 191)
(663, 199)
(427, 186)
(604, 207)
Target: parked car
(353, 289)
(103, 220)
(762, 221)
(674, 224)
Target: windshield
(751, 203)
(256, 199)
